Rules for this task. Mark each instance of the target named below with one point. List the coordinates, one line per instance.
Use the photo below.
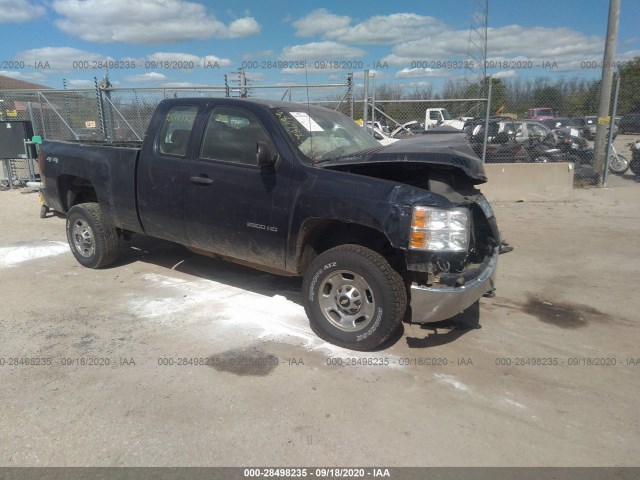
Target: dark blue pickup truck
(379, 234)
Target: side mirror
(264, 158)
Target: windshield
(542, 112)
(323, 134)
(446, 114)
(538, 129)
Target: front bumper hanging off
(436, 303)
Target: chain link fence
(506, 121)
(122, 115)
(525, 121)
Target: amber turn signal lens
(418, 239)
(419, 219)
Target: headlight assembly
(439, 229)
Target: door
(235, 208)
(162, 176)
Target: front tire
(618, 164)
(353, 297)
(93, 241)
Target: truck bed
(109, 168)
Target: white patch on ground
(183, 295)
(453, 381)
(12, 256)
(237, 312)
(512, 403)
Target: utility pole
(365, 106)
(604, 120)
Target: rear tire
(92, 239)
(353, 297)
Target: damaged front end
(448, 278)
(452, 241)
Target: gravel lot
(550, 379)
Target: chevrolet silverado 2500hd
(379, 234)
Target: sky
(165, 43)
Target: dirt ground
(103, 367)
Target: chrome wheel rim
(618, 163)
(347, 301)
(83, 239)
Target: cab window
(232, 135)
(173, 138)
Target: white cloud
(26, 77)
(213, 59)
(255, 76)
(420, 84)
(172, 57)
(540, 42)
(74, 83)
(183, 61)
(19, 11)
(183, 85)
(377, 74)
(504, 74)
(339, 74)
(531, 46)
(422, 73)
(258, 54)
(320, 22)
(379, 29)
(146, 77)
(145, 21)
(243, 27)
(62, 58)
(320, 51)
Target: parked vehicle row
(557, 139)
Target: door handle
(201, 180)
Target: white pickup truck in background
(440, 116)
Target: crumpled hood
(442, 147)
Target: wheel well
(74, 190)
(320, 235)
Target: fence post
(373, 102)
(611, 125)
(100, 105)
(67, 114)
(44, 130)
(365, 104)
(350, 93)
(486, 121)
(33, 121)
(605, 87)
(110, 124)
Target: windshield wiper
(359, 153)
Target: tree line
(569, 97)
